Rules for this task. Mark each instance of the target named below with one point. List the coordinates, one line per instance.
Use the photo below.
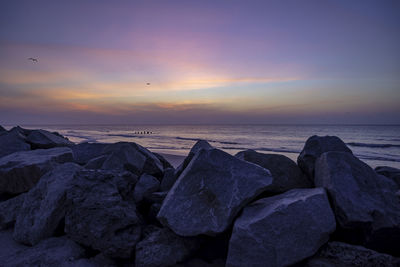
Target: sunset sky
(284, 61)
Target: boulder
(125, 182)
(389, 172)
(164, 162)
(281, 230)
(2, 129)
(342, 254)
(56, 251)
(146, 185)
(314, 147)
(364, 203)
(20, 171)
(11, 142)
(44, 206)
(44, 139)
(163, 247)
(98, 217)
(211, 191)
(84, 152)
(9, 210)
(287, 175)
(168, 179)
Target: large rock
(9, 210)
(389, 172)
(162, 247)
(363, 202)
(98, 216)
(2, 129)
(44, 139)
(20, 171)
(146, 185)
(84, 152)
(45, 205)
(168, 179)
(11, 142)
(56, 251)
(287, 175)
(211, 191)
(314, 147)
(281, 230)
(342, 254)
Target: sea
(377, 145)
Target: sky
(272, 62)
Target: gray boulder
(389, 172)
(211, 191)
(168, 179)
(20, 171)
(163, 247)
(2, 129)
(342, 254)
(9, 210)
(98, 216)
(287, 175)
(44, 205)
(84, 152)
(164, 162)
(363, 202)
(11, 142)
(146, 185)
(314, 147)
(45, 139)
(281, 230)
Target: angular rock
(9, 210)
(84, 152)
(389, 172)
(56, 251)
(281, 230)
(146, 185)
(363, 202)
(342, 254)
(168, 180)
(125, 182)
(287, 175)
(156, 197)
(314, 147)
(44, 205)
(164, 162)
(45, 139)
(20, 171)
(211, 191)
(2, 129)
(11, 142)
(98, 216)
(164, 248)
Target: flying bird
(148, 83)
(33, 59)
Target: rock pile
(119, 204)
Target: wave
(377, 158)
(126, 135)
(372, 145)
(266, 149)
(208, 140)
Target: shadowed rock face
(362, 201)
(9, 210)
(11, 142)
(287, 175)
(44, 205)
(146, 185)
(314, 147)
(389, 172)
(281, 230)
(211, 191)
(20, 171)
(84, 152)
(98, 216)
(45, 139)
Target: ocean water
(377, 145)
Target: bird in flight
(33, 59)
(148, 83)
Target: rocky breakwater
(65, 204)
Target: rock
(11, 142)
(45, 205)
(314, 147)
(389, 172)
(2, 129)
(281, 230)
(211, 191)
(164, 248)
(8, 246)
(164, 162)
(146, 185)
(287, 175)
(342, 254)
(98, 216)
(363, 203)
(201, 263)
(20, 171)
(9, 210)
(44, 139)
(125, 182)
(201, 144)
(84, 152)
(168, 180)
(156, 197)
(56, 251)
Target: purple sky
(214, 61)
